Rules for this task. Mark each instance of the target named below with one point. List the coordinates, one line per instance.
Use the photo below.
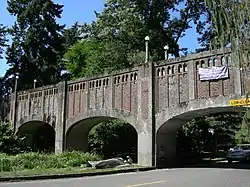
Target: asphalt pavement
(181, 177)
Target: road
(183, 177)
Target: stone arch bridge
(155, 98)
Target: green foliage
(113, 138)
(10, 143)
(37, 43)
(243, 135)
(71, 35)
(119, 32)
(84, 59)
(231, 20)
(231, 26)
(3, 40)
(44, 161)
(196, 137)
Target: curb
(74, 175)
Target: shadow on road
(208, 160)
(219, 163)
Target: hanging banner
(213, 73)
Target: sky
(82, 11)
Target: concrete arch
(28, 119)
(105, 113)
(77, 136)
(39, 136)
(168, 122)
(193, 109)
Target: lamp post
(16, 81)
(146, 43)
(35, 81)
(15, 102)
(166, 48)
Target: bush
(9, 142)
(44, 161)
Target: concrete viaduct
(155, 98)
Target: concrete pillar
(111, 92)
(166, 149)
(145, 148)
(14, 110)
(191, 79)
(61, 119)
(237, 73)
(166, 142)
(146, 116)
(237, 81)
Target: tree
(3, 40)
(209, 133)
(121, 28)
(130, 21)
(231, 20)
(243, 135)
(10, 143)
(231, 27)
(4, 100)
(84, 59)
(113, 138)
(72, 35)
(37, 48)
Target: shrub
(9, 142)
(44, 161)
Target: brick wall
(213, 88)
(95, 94)
(171, 85)
(40, 103)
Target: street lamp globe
(166, 47)
(17, 77)
(35, 80)
(147, 38)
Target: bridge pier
(145, 150)
(166, 142)
(166, 149)
(60, 139)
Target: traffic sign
(240, 102)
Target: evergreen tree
(37, 48)
(72, 35)
(3, 39)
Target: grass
(53, 171)
(37, 164)
(39, 161)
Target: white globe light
(147, 38)
(17, 77)
(166, 47)
(35, 80)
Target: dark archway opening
(207, 137)
(105, 136)
(190, 137)
(39, 136)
